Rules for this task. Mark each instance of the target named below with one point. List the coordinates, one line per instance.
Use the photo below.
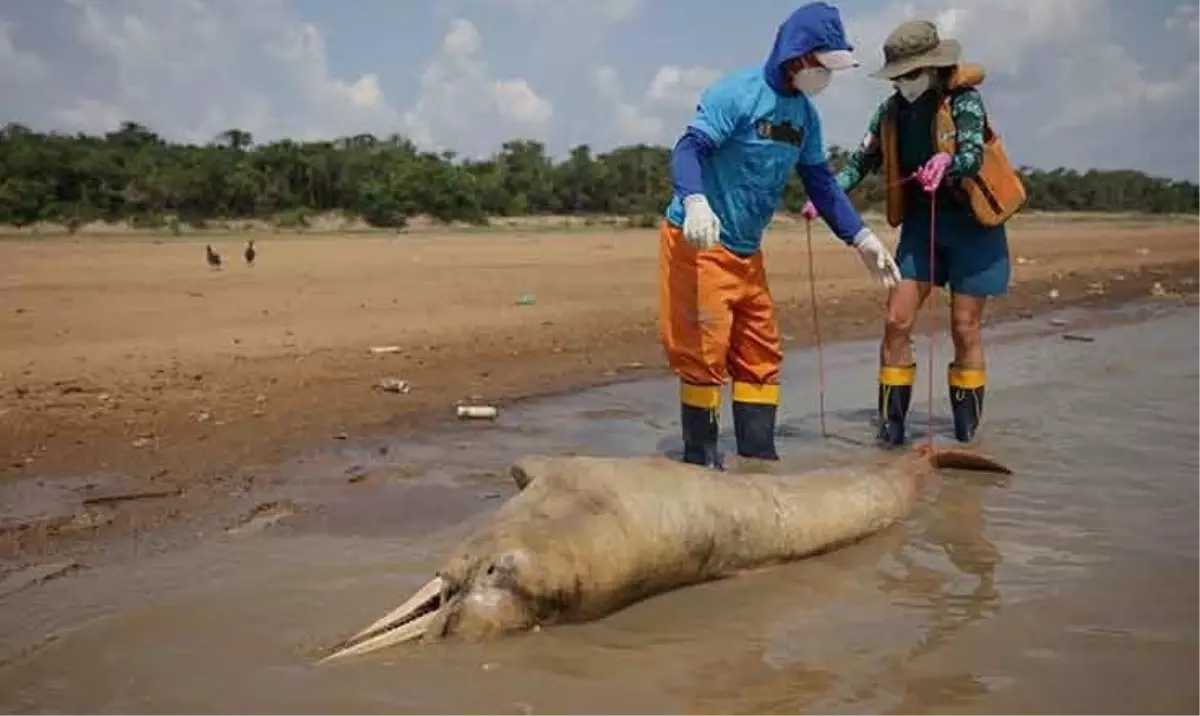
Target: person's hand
(701, 227)
(808, 211)
(930, 174)
(877, 258)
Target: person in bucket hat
(751, 130)
(928, 140)
(914, 47)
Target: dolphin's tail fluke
(961, 459)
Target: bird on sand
(249, 253)
(214, 259)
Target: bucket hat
(914, 45)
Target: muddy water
(1069, 587)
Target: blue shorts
(972, 258)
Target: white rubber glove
(701, 227)
(877, 258)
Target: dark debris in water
(265, 515)
(26, 577)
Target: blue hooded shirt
(751, 129)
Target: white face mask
(914, 88)
(812, 80)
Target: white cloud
(636, 126)
(1067, 83)
(193, 69)
(551, 44)
(633, 123)
(458, 94)
(301, 46)
(680, 86)
(667, 102)
(1064, 85)
(1184, 17)
(461, 40)
(519, 103)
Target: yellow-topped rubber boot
(699, 418)
(895, 395)
(966, 400)
(754, 409)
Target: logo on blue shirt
(785, 132)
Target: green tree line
(133, 174)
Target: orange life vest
(994, 194)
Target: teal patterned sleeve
(866, 157)
(967, 110)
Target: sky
(1079, 83)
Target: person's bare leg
(897, 370)
(967, 375)
(904, 302)
(966, 319)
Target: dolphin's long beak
(406, 622)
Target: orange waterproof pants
(717, 318)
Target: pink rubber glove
(808, 211)
(930, 175)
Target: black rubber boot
(700, 432)
(966, 400)
(754, 428)
(699, 418)
(895, 395)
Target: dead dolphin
(587, 536)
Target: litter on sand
(394, 385)
(484, 412)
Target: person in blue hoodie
(752, 128)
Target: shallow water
(1069, 587)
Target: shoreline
(183, 515)
(631, 352)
